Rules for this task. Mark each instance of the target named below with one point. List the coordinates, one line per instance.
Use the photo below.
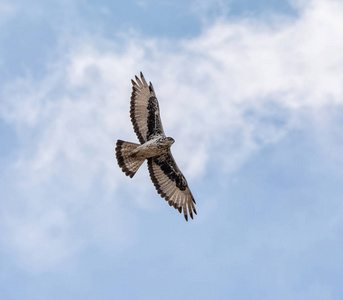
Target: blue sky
(252, 93)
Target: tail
(127, 163)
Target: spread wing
(144, 111)
(171, 184)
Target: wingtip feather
(191, 214)
(151, 87)
(143, 79)
(138, 81)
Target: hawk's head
(170, 141)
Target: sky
(252, 93)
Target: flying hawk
(155, 147)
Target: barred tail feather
(127, 163)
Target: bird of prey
(155, 147)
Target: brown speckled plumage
(155, 147)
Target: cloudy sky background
(252, 92)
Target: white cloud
(223, 95)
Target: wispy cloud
(223, 95)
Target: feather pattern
(145, 111)
(126, 162)
(171, 184)
(155, 147)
